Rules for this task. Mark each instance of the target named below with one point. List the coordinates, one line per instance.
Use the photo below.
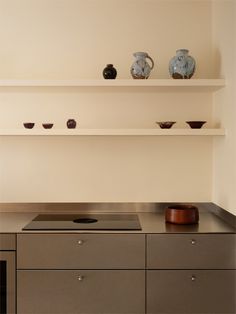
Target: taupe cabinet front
(7, 273)
(191, 251)
(124, 274)
(81, 251)
(82, 273)
(81, 291)
(191, 291)
(191, 274)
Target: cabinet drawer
(83, 291)
(7, 241)
(191, 251)
(80, 251)
(191, 292)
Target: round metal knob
(193, 278)
(80, 242)
(193, 241)
(80, 278)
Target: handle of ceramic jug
(152, 66)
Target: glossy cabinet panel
(82, 291)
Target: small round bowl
(182, 214)
(165, 124)
(195, 124)
(28, 125)
(47, 125)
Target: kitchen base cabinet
(124, 274)
(7, 273)
(191, 291)
(81, 291)
(80, 251)
(191, 251)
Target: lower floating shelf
(112, 132)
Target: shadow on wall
(217, 62)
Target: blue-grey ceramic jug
(182, 66)
(140, 69)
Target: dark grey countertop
(151, 218)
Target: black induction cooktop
(84, 222)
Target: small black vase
(71, 124)
(109, 73)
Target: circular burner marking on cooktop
(85, 220)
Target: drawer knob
(80, 278)
(80, 242)
(193, 241)
(193, 278)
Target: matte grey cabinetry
(191, 274)
(81, 251)
(194, 251)
(7, 273)
(107, 273)
(7, 242)
(81, 273)
(81, 291)
(191, 291)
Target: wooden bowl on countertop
(182, 214)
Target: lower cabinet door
(189, 291)
(72, 292)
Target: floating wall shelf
(170, 84)
(112, 132)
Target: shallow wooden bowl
(182, 214)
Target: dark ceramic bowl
(47, 125)
(195, 124)
(166, 124)
(182, 214)
(28, 125)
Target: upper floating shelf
(113, 132)
(170, 84)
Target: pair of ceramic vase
(140, 69)
(181, 66)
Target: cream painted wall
(224, 44)
(69, 39)
(76, 38)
